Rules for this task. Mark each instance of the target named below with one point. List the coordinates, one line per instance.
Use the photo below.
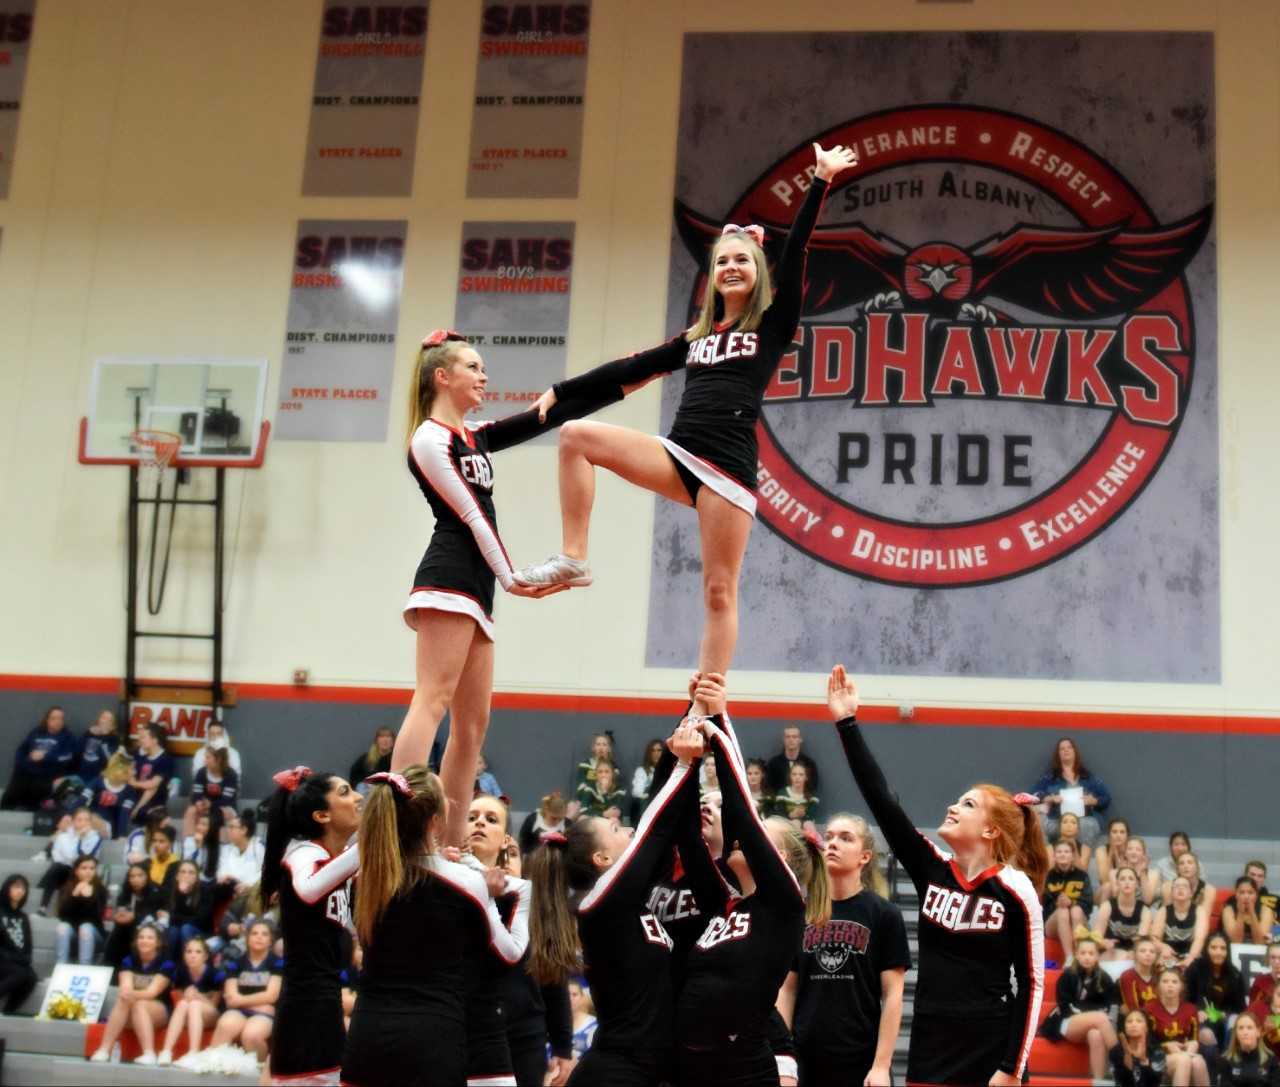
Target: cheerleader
(312, 817)
(980, 919)
(625, 948)
(421, 920)
(740, 961)
(708, 461)
(1123, 919)
(451, 604)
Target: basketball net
(156, 450)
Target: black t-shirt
(210, 981)
(1074, 883)
(143, 972)
(839, 967)
(252, 978)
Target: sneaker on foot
(165, 1057)
(557, 570)
(188, 1060)
(146, 1058)
(100, 1056)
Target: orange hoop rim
(157, 446)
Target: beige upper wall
(154, 202)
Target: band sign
(186, 727)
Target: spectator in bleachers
(1268, 1013)
(1181, 925)
(195, 846)
(549, 818)
(757, 773)
(1086, 1009)
(138, 848)
(187, 909)
(1202, 891)
(1244, 919)
(1137, 1060)
(1247, 1062)
(215, 785)
(240, 858)
(797, 801)
(250, 993)
(602, 796)
(1066, 893)
(1137, 858)
(1069, 831)
(1179, 843)
(584, 1018)
(152, 771)
(708, 782)
(47, 755)
(1066, 784)
(601, 752)
(778, 769)
(350, 977)
(69, 845)
(195, 992)
(1109, 856)
(218, 738)
(1138, 983)
(1257, 871)
(239, 917)
(145, 975)
(1216, 988)
(642, 779)
(101, 742)
(109, 797)
(1124, 918)
(486, 783)
(135, 904)
(17, 977)
(1175, 1024)
(376, 760)
(82, 902)
(1266, 984)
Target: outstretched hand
(544, 404)
(535, 592)
(834, 161)
(842, 694)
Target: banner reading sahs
(16, 20)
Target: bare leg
(256, 1035)
(199, 1016)
(1095, 1031)
(638, 458)
(229, 1028)
(468, 723)
(1179, 1069)
(444, 638)
(116, 1023)
(147, 1015)
(724, 529)
(177, 1021)
(1199, 1071)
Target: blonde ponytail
(422, 382)
(804, 858)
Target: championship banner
(526, 129)
(513, 304)
(16, 20)
(340, 346)
(364, 109)
(994, 449)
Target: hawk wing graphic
(1086, 274)
(846, 264)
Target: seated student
(195, 992)
(1202, 891)
(1216, 988)
(1179, 843)
(17, 977)
(1267, 1013)
(376, 759)
(778, 769)
(797, 802)
(1137, 1060)
(152, 771)
(1245, 919)
(217, 736)
(109, 797)
(101, 742)
(1066, 891)
(163, 859)
(1069, 831)
(642, 779)
(188, 909)
(1068, 777)
(486, 784)
(1247, 1061)
(708, 782)
(1138, 984)
(1108, 856)
(549, 818)
(82, 901)
(215, 785)
(602, 796)
(1123, 919)
(78, 840)
(1181, 926)
(1087, 1001)
(195, 846)
(1265, 984)
(240, 858)
(757, 782)
(145, 974)
(135, 905)
(137, 848)
(250, 993)
(1176, 1026)
(1135, 857)
(584, 1018)
(350, 978)
(601, 752)
(47, 754)
(1257, 871)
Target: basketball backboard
(215, 406)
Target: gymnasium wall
(153, 207)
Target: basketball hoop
(156, 450)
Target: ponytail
(422, 383)
(289, 816)
(553, 936)
(1033, 857)
(1019, 841)
(803, 855)
(394, 830)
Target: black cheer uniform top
(972, 932)
(726, 371)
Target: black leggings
(529, 1056)
(17, 979)
(602, 1068)
(398, 1050)
(747, 1062)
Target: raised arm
(615, 377)
(314, 874)
(910, 847)
(514, 429)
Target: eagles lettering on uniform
(453, 470)
(972, 934)
(727, 371)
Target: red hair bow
(554, 837)
(396, 781)
(811, 836)
(441, 335)
(756, 233)
(1026, 800)
(289, 780)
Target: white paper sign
(1072, 801)
(87, 984)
